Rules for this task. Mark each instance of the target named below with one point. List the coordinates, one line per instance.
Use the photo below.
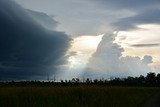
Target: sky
(79, 38)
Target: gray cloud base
(151, 16)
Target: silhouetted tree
(77, 80)
(151, 78)
(73, 80)
(66, 81)
(141, 79)
(88, 80)
(62, 81)
(95, 81)
(158, 79)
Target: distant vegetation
(150, 80)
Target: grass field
(74, 96)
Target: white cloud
(108, 61)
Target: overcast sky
(132, 24)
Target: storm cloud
(27, 49)
(137, 22)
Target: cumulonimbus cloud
(108, 61)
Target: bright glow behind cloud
(84, 47)
(141, 42)
(78, 56)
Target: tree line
(151, 79)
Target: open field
(75, 96)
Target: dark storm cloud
(27, 49)
(151, 16)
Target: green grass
(74, 96)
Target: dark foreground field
(75, 96)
